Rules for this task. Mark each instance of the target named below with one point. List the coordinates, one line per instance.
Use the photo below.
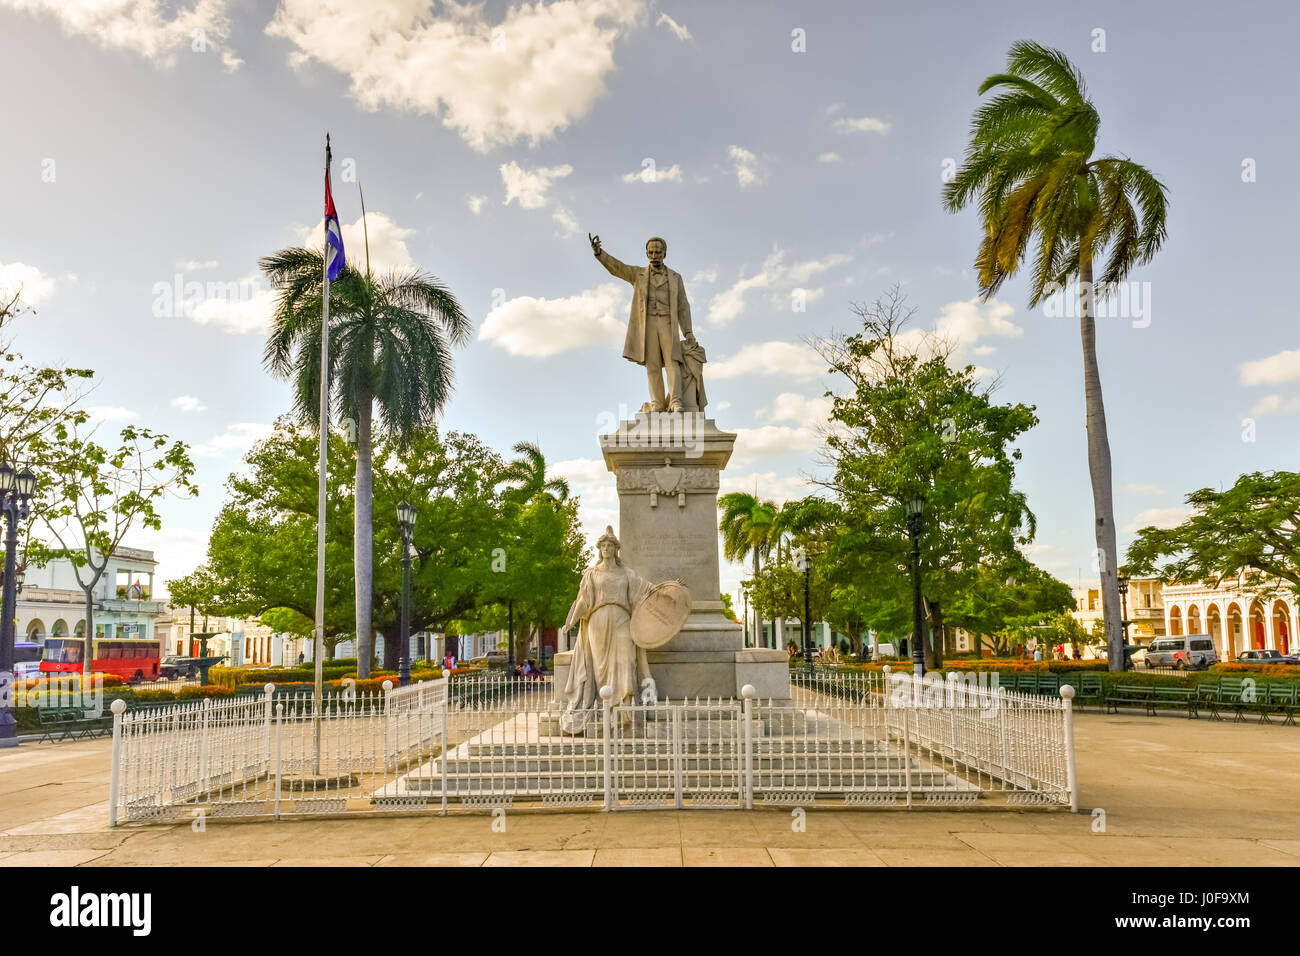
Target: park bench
(1173, 696)
(1088, 687)
(1048, 685)
(1128, 695)
(68, 723)
(1278, 697)
(1224, 693)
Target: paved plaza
(1176, 792)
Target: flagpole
(319, 649)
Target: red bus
(132, 659)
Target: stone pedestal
(667, 468)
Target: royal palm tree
(1030, 168)
(390, 350)
(528, 474)
(746, 528)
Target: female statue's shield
(658, 618)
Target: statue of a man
(660, 319)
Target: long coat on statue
(678, 307)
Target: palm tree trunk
(759, 637)
(1099, 468)
(362, 539)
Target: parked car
(1183, 651)
(178, 668)
(491, 657)
(1265, 657)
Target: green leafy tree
(389, 349)
(196, 591)
(90, 497)
(728, 611)
(1249, 533)
(1031, 168)
(261, 551)
(539, 553)
(1013, 592)
(909, 424)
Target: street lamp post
(1123, 623)
(406, 520)
(16, 490)
(802, 563)
(915, 509)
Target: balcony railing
(132, 606)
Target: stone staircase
(796, 760)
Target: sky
(791, 154)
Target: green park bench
(1184, 697)
(1225, 693)
(1280, 697)
(1127, 695)
(1088, 687)
(68, 723)
(1048, 685)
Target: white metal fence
(487, 742)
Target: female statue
(605, 652)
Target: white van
(1182, 651)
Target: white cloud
(387, 241)
(140, 26)
(592, 482)
(1159, 517)
(35, 285)
(829, 158)
(564, 219)
(653, 174)
(246, 305)
(967, 322)
(241, 307)
(860, 124)
(705, 277)
(237, 438)
(801, 272)
(188, 404)
(527, 76)
(529, 186)
(476, 203)
(730, 302)
(539, 328)
(681, 32)
(1275, 405)
(775, 275)
(788, 359)
(1282, 367)
(771, 485)
(178, 551)
(746, 167)
(196, 265)
(773, 440)
(111, 413)
(803, 410)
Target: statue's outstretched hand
(595, 244)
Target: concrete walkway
(1175, 792)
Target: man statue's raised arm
(619, 269)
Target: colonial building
(1238, 615)
(1238, 618)
(52, 603)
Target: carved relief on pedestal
(669, 480)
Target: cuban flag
(335, 260)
